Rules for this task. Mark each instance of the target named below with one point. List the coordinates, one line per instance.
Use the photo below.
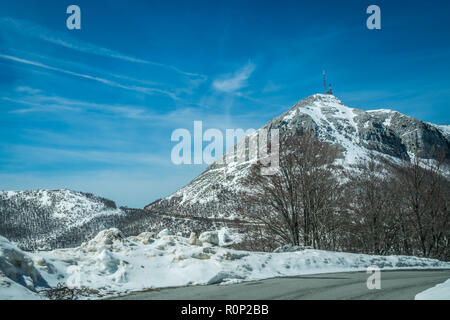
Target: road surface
(332, 286)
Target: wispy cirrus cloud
(63, 155)
(42, 103)
(34, 106)
(145, 90)
(30, 29)
(29, 90)
(237, 80)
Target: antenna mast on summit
(330, 91)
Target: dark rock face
(356, 132)
(415, 137)
(384, 141)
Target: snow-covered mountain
(70, 207)
(356, 131)
(49, 219)
(41, 217)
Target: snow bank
(10, 290)
(112, 264)
(211, 237)
(18, 276)
(110, 239)
(439, 292)
(227, 237)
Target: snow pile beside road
(111, 264)
(19, 278)
(109, 239)
(439, 292)
(11, 290)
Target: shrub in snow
(18, 266)
(233, 256)
(201, 256)
(211, 237)
(62, 292)
(291, 248)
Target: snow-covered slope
(50, 219)
(40, 218)
(356, 131)
(438, 292)
(71, 207)
(111, 264)
(19, 279)
(445, 129)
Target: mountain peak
(355, 132)
(324, 98)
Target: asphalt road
(396, 285)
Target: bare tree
(424, 188)
(372, 206)
(295, 204)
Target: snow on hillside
(355, 131)
(445, 129)
(322, 109)
(113, 264)
(10, 290)
(75, 208)
(438, 292)
(45, 219)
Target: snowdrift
(438, 292)
(111, 264)
(19, 279)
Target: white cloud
(42, 103)
(235, 81)
(27, 28)
(148, 91)
(29, 90)
(48, 155)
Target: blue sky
(94, 109)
